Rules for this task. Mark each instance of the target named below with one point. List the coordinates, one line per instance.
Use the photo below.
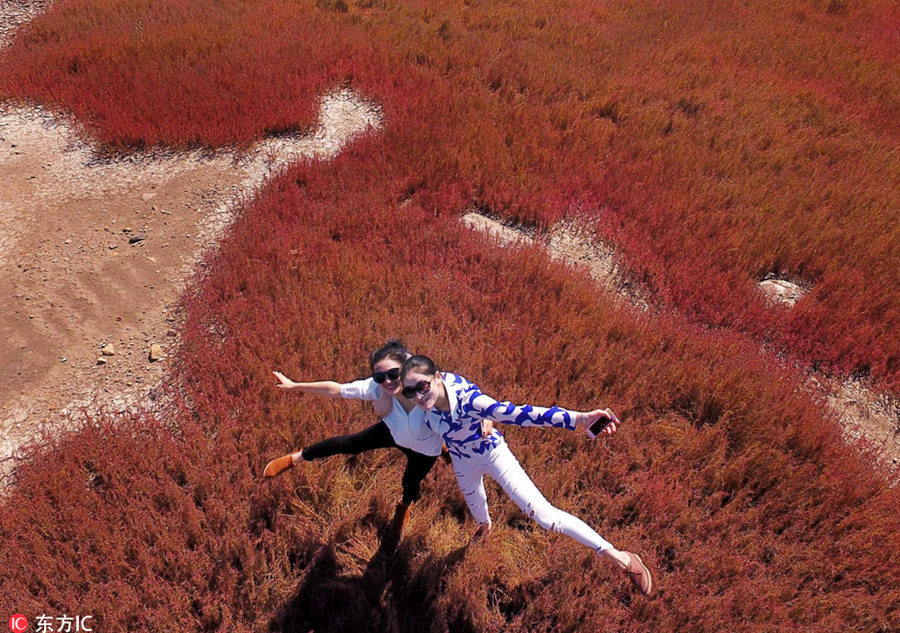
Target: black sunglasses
(422, 387)
(390, 374)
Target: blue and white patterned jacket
(461, 426)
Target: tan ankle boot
(278, 466)
(401, 515)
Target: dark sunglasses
(422, 387)
(390, 374)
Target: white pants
(503, 467)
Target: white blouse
(407, 429)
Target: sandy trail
(96, 252)
(15, 13)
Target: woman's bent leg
(417, 467)
(376, 436)
(506, 469)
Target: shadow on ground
(388, 596)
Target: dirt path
(95, 253)
(14, 13)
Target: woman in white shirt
(401, 425)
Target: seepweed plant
(738, 484)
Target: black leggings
(376, 436)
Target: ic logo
(18, 623)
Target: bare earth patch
(782, 291)
(865, 414)
(14, 13)
(96, 252)
(569, 242)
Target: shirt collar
(451, 396)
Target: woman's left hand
(487, 427)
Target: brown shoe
(484, 530)
(401, 516)
(278, 466)
(638, 574)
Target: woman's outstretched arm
(327, 388)
(485, 407)
(365, 389)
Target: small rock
(782, 291)
(156, 352)
(113, 247)
(127, 229)
(101, 361)
(134, 239)
(108, 350)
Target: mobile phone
(601, 423)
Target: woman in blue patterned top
(454, 409)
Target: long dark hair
(420, 363)
(392, 349)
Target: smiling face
(386, 368)
(423, 389)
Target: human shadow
(387, 596)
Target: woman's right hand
(584, 420)
(283, 381)
(383, 404)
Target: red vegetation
(717, 143)
(734, 486)
(682, 128)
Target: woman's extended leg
(471, 484)
(417, 467)
(376, 436)
(505, 468)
